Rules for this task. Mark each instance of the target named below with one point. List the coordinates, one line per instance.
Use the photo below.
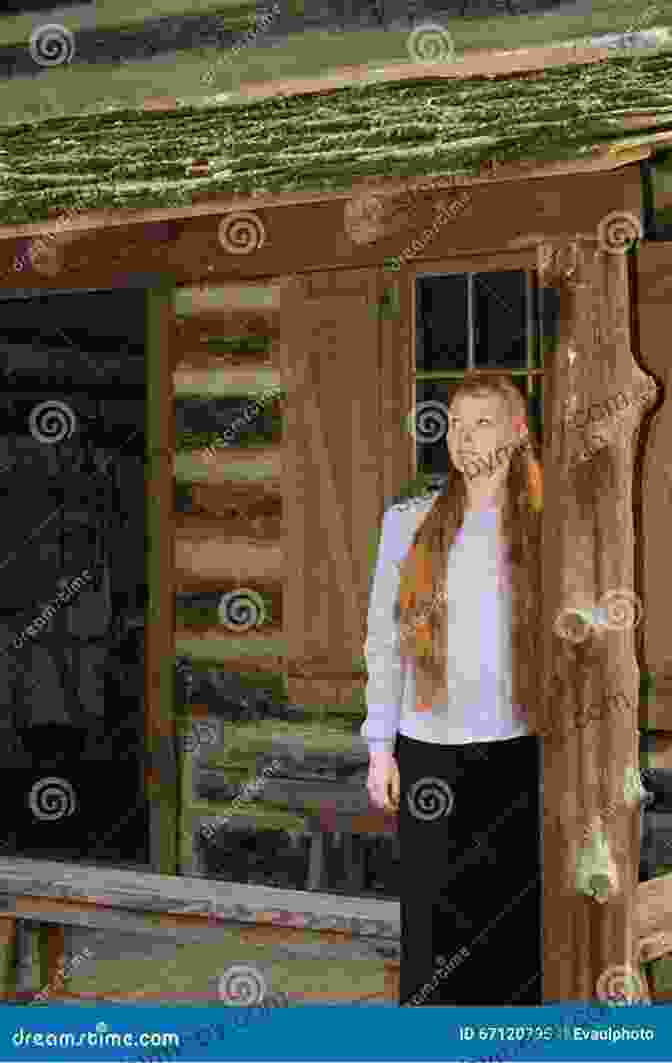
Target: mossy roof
(320, 141)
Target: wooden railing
(43, 898)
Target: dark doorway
(72, 575)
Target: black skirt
(470, 846)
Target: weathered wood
(654, 290)
(8, 956)
(653, 917)
(161, 775)
(392, 978)
(52, 958)
(27, 958)
(81, 895)
(205, 301)
(489, 223)
(256, 382)
(588, 534)
(233, 465)
(331, 482)
(204, 550)
(264, 654)
(248, 502)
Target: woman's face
(482, 434)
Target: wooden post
(27, 956)
(7, 956)
(590, 688)
(161, 774)
(51, 962)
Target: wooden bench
(42, 898)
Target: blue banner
(140, 1034)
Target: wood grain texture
(588, 551)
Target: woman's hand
(383, 783)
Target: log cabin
(342, 253)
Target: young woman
(452, 655)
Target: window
(499, 322)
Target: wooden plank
(331, 467)
(588, 551)
(8, 956)
(228, 382)
(77, 894)
(215, 299)
(204, 551)
(248, 502)
(490, 222)
(236, 466)
(653, 918)
(161, 775)
(52, 958)
(654, 290)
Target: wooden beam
(197, 908)
(8, 956)
(161, 777)
(204, 550)
(52, 956)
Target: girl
(453, 662)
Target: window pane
(500, 320)
(441, 323)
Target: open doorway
(72, 575)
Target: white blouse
(479, 669)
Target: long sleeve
(384, 689)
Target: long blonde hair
(521, 534)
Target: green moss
(321, 141)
